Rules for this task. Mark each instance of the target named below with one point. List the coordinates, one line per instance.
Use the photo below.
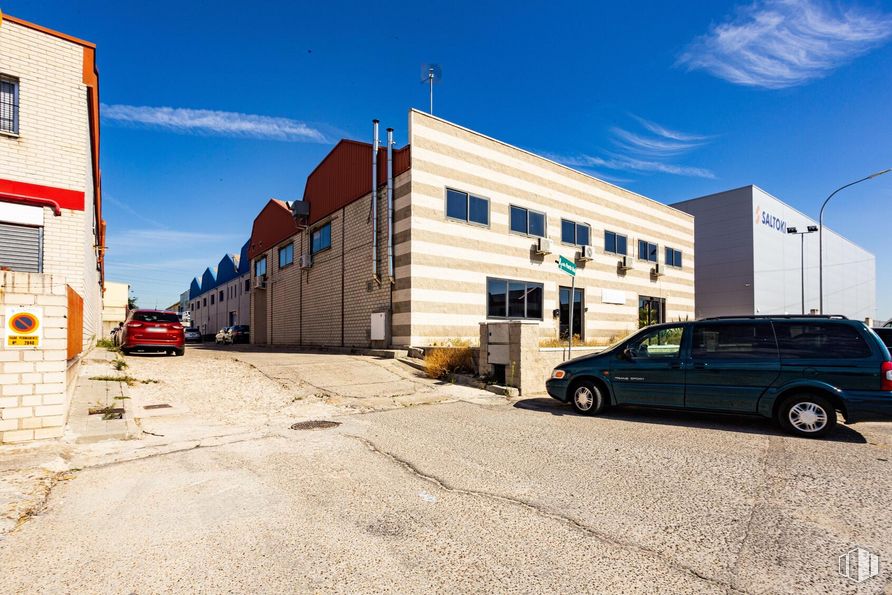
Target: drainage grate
(315, 424)
(158, 406)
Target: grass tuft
(441, 362)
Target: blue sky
(211, 108)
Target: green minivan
(798, 370)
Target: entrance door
(233, 319)
(578, 312)
(651, 371)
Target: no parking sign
(23, 328)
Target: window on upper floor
(647, 251)
(467, 207)
(673, 257)
(286, 255)
(9, 104)
(615, 243)
(578, 234)
(212, 299)
(320, 239)
(247, 285)
(527, 222)
(221, 298)
(260, 266)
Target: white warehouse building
(750, 261)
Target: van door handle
(701, 366)
(676, 366)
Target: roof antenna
(430, 74)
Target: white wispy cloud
(775, 44)
(213, 122)
(626, 163)
(649, 150)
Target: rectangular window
(9, 105)
(578, 234)
(651, 310)
(221, 296)
(260, 267)
(212, 299)
(734, 341)
(247, 285)
(647, 251)
(673, 257)
(513, 299)
(286, 255)
(205, 302)
(797, 340)
(615, 243)
(527, 222)
(320, 239)
(467, 207)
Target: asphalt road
(473, 497)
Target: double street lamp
(821, 234)
(802, 234)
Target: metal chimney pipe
(375, 198)
(390, 201)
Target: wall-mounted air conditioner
(585, 253)
(543, 246)
(260, 282)
(625, 263)
(306, 261)
(657, 271)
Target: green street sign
(567, 265)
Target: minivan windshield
(155, 317)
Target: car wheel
(587, 398)
(810, 416)
(179, 352)
(126, 351)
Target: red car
(153, 330)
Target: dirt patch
(315, 424)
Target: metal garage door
(20, 247)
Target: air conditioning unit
(658, 270)
(625, 263)
(585, 253)
(306, 261)
(543, 246)
(260, 282)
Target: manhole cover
(158, 406)
(315, 424)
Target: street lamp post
(802, 234)
(821, 234)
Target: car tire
(807, 415)
(587, 397)
(126, 351)
(179, 352)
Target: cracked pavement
(461, 491)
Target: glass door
(578, 313)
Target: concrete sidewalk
(89, 394)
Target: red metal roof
(345, 175)
(272, 225)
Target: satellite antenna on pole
(430, 74)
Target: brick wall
(34, 384)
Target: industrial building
(758, 255)
(463, 229)
(52, 235)
(222, 297)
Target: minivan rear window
(797, 340)
(155, 317)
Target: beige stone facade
(438, 291)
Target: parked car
(153, 330)
(222, 336)
(240, 333)
(797, 370)
(193, 335)
(885, 335)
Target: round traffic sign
(23, 323)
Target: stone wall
(529, 365)
(35, 384)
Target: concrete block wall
(35, 384)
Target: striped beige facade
(443, 264)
